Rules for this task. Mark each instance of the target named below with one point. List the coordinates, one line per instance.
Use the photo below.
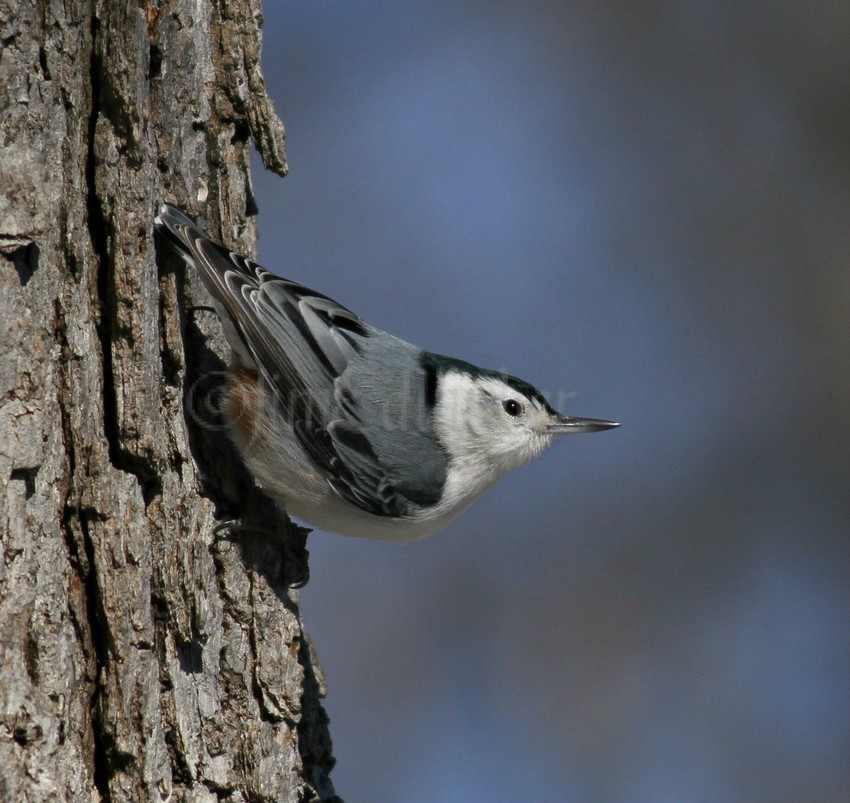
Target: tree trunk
(143, 656)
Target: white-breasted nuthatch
(350, 428)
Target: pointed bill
(566, 425)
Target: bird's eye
(512, 407)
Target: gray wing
(309, 351)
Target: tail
(178, 231)
(215, 264)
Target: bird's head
(498, 421)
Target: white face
(485, 420)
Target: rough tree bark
(142, 656)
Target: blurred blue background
(643, 210)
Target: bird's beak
(564, 425)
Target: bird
(349, 428)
